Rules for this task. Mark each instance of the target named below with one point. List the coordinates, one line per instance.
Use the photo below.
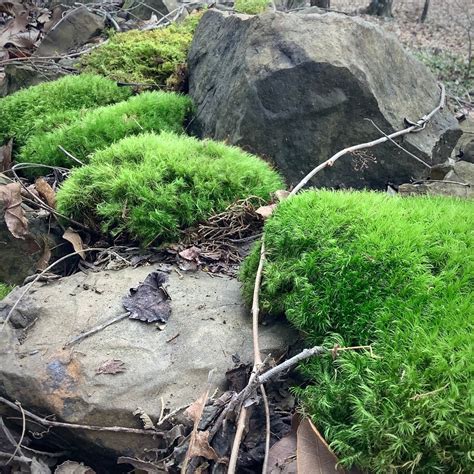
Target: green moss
(99, 128)
(42, 107)
(251, 7)
(149, 187)
(4, 290)
(396, 273)
(156, 57)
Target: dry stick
(255, 304)
(47, 269)
(97, 328)
(10, 437)
(59, 424)
(70, 155)
(361, 146)
(23, 429)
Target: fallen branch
(75, 426)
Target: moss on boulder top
(396, 273)
(149, 187)
(42, 107)
(155, 57)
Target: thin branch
(70, 155)
(75, 426)
(412, 128)
(22, 436)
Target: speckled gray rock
(208, 325)
(297, 88)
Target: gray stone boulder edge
(297, 88)
(75, 29)
(208, 318)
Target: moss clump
(156, 57)
(4, 290)
(42, 107)
(150, 111)
(251, 7)
(149, 186)
(364, 268)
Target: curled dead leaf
(75, 239)
(43, 262)
(15, 219)
(46, 192)
(266, 211)
(73, 467)
(6, 156)
(145, 419)
(112, 367)
(282, 194)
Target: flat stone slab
(209, 326)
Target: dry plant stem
(21, 459)
(30, 285)
(59, 424)
(266, 406)
(258, 278)
(23, 429)
(97, 328)
(70, 155)
(413, 128)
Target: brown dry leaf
(75, 239)
(194, 411)
(72, 467)
(282, 194)
(266, 211)
(10, 199)
(43, 262)
(6, 154)
(145, 419)
(313, 453)
(46, 192)
(112, 367)
(282, 455)
(16, 25)
(191, 253)
(199, 446)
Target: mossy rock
(4, 290)
(251, 7)
(155, 57)
(148, 112)
(42, 107)
(364, 268)
(150, 187)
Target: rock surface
(297, 88)
(208, 325)
(76, 28)
(145, 9)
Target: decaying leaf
(15, 25)
(6, 155)
(266, 211)
(145, 419)
(46, 192)
(191, 253)
(15, 219)
(313, 453)
(72, 467)
(112, 366)
(149, 301)
(282, 194)
(199, 446)
(282, 455)
(43, 261)
(75, 239)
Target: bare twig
(23, 429)
(70, 155)
(97, 328)
(75, 426)
(10, 437)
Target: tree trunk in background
(424, 14)
(380, 8)
(321, 3)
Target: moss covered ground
(251, 7)
(4, 290)
(42, 107)
(149, 187)
(150, 111)
(155, 57)
(396, 273)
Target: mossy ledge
(396, 273)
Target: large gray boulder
(297, 88)
(209, 328)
